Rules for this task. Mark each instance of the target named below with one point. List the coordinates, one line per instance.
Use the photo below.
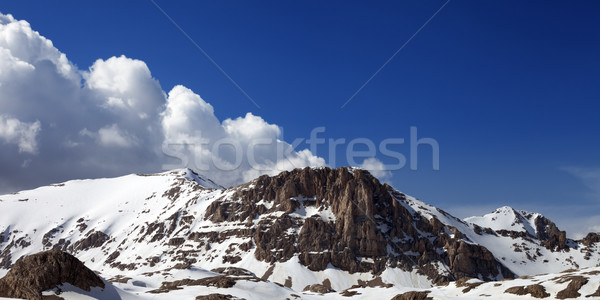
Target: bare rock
(221, 281)
(232, 271)
(467, 260)
(318, 288)
(572, 290)
(368, 219)
(468, 286)
(551, 237)
(413, 295)
(93, 239)
(591, 238)
(218, 297)
(46, 270)
(535, 290)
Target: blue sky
(509, 89)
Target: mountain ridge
(340, 225)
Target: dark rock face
(6, 258)
(354, 198)
(218, 297)
(371, 227)
(46, 270)
(220, 281)
(572, 289)
(413, 295)
(92, 240)
(467, 260)
(591, 238)
(535, 290)
(551, 237)
(233, 271)
(318, 288)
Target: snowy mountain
(295, 235)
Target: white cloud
(26, 45)
(188, 118)
(125, 87)
(232, 151)
(377, 168)
(11, 68)
(113, 136)
(20, 133)
(251, 127)
(115, 118)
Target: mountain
(302, 232)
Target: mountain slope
(333, 227)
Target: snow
(126, 206)
(71, 292)
(507, 218)
(191, 175)
(266, 290)
(324, 213)
(503, 247)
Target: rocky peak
(342, 189)
(369, 229)
(508, 221)
(191, 175)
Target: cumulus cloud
(125, 87)
(19, 133)
(58, 122)
(377, 168)
(26, 46)
(113, 136)
(233, 151)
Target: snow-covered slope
(138, 224)
(527, 243)
(507, 218)
(577, 284)
(333, 228)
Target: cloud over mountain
(115, 118)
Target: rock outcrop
(467, 260)
(358, 225)
(591, 238)
(413, 295)
(551, 237)
(535, 290)
(33, 274)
